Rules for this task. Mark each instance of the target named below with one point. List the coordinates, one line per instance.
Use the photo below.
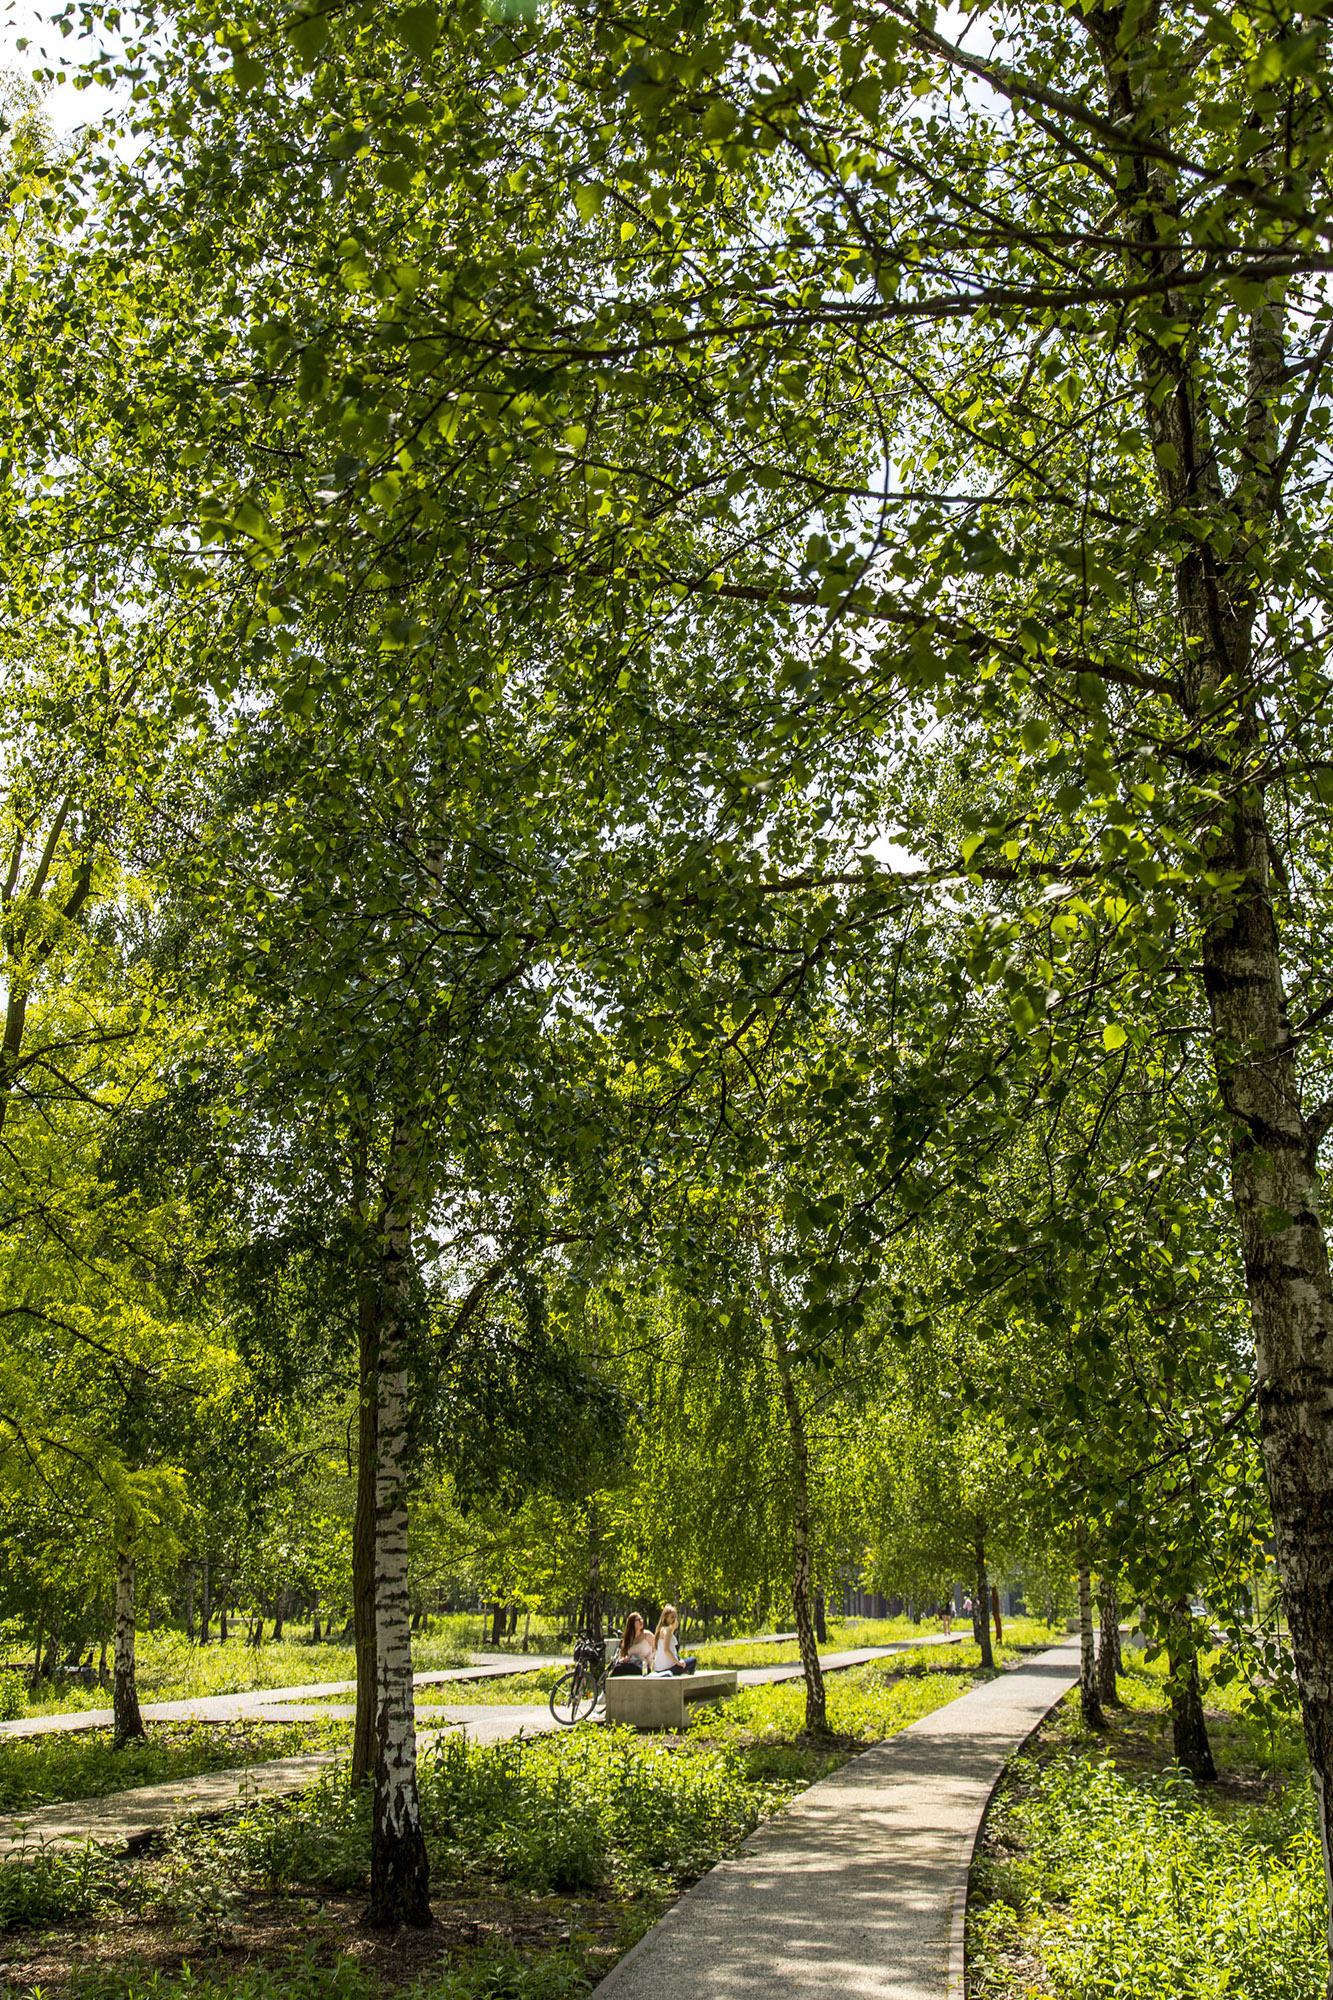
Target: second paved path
(850, 1893)
(123, 1819)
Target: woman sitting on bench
(666, 1654)
(636, 1647)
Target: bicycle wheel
(574, 1696)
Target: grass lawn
(1107, 1874)
(549, 1856)
(1021, 1635)
(171, 1669)
(48, 1770)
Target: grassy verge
(549, 1856)
(962, 1658)
(171, 1669)
(50, 1770)
(1105, 1873)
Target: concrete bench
(657, 1701)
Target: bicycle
(579, 1688)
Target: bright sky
(65, 106)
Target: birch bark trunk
(128, 1723)
(1089, 1706)
(1273, 1143)
(802, 1585)
(399, 1867)
(802, 1591)
(1108, 1641)
(982, 1601)
(1189, 1727)
(363, 1531)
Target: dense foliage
(664, 893)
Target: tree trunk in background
(981, 1602)
(223, 1628)
(1273, 1142)
(279, 1611)
(1108, 1640)
(1189, 1727)
(511, 1625)
(497, 1623)
(995, 1613)
(363, 1527)
(821, 1619)
(103, 1676)
(1089, 1705)
(816, 1702)
(128, 1722)
(205, 1604)
(591, 1616)
(399, 1866)
(189, 1602)
(314, 1620)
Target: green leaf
(308, 34)
(419, 27)
(1114, 1036)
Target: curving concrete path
(254, 1702)
(855, 1892)
(122, 1820)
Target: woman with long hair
(636, 1647)
(666, 1652)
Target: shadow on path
(850, 1893)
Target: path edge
(609, 1982)
(955, 1977)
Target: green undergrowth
(601, 1810)
(549, 1855)
(494, 1972)
(865, 1705)
(1106, 1873)
(49, 1770)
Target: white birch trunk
(399, 1868)
(1089, 1705)
(125, 1690)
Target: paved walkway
(286, 1704)
(833, 1663)
(125, 1819)
(853, 1892)
(252, 1702)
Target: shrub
(46, 1885)
(1145, 1885)
(499, 1972)
(320, 1838)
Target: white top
(667, 1656)
(640, 1647)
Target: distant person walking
(946, 1617)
